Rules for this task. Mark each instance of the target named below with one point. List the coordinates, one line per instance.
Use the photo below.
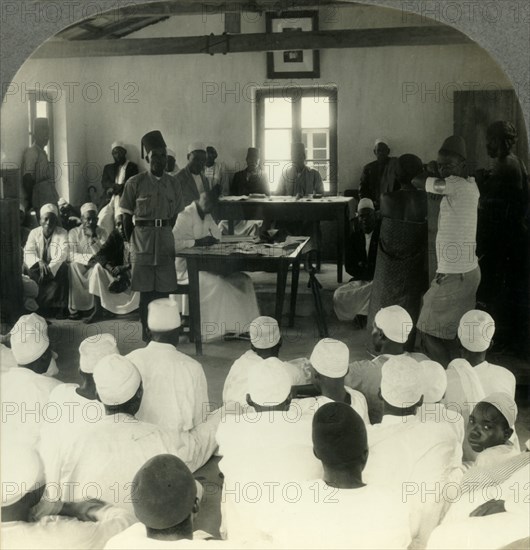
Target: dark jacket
(360, 266)
(109, 174)
(242, 184)
(111, 252)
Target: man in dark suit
(251, 179)
(191, 179)
(117, 173)
(379, 176)
(352, 299)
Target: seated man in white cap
(165, 500)
(490, 428)
(490, 508)
(74, 525)
(228, 303)
(25, 389)
(83, 243)
(353, 298)
(110, 279)
(191, 179)
(215, 170)
(171, 166)
(329, 365)
(390, 331)
(73, 407)
(269, 442)
(338, 510)
(102, 460)
(45, 254)
(265, 342)
(434, 379)
(116, 174)
(175, 389)
(415, 457)
(475, 332)
(381, 175)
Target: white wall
(168, 92)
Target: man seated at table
(298, 180)
(191, 178)
(228, 302)
(249, 181)
(352, 299)
(45, 255)
(215, 170)
(110, 280)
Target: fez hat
(253, 151)
(40, 123)
(454, 144)
(151, 141)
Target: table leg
(195, 303)
(341, 239)
(295, 273)
(281, 281)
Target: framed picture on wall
(293, 63)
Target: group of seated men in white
(394, 452)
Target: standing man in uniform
(155, 201)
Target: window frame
(32, 97)
(296, 93)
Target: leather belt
(152, 223)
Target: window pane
(315, 112)
(320, 139)
(41, 109)
(319, 153)
(278, 113)
(277, 144)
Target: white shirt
(57, 248)
(58, 532)
(457, 224)
(367, 241)
(315, 515)
(104, 459)
(25, 396)
(135, 538)
(198, 183)
(81, 248)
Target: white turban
(163, 315)
(365, 203)
(269, 383)
(434, 381)
(401, 381)
(49, 208)
(94, 348)
(117, 379)
(117, 144)
(264, 332)
(171, 153)
(475, 330)
(62, 202)
(196, 146)
(395, 323)
(22, 471)
(330, 358)
(29, 338)
(505, 405)
(381, 140)
(87, 207)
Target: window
(294, 114)
(41, 106)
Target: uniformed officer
(155, 200)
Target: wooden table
(224, 259)
(290, 209)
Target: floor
(217, 358)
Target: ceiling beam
(257, 42)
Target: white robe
(25, 396)
(80, 250)
(352, 299)
(104, 459)
(176, 399)
(228, 303)
(57, 249)
(119, 304)
(58, 532)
